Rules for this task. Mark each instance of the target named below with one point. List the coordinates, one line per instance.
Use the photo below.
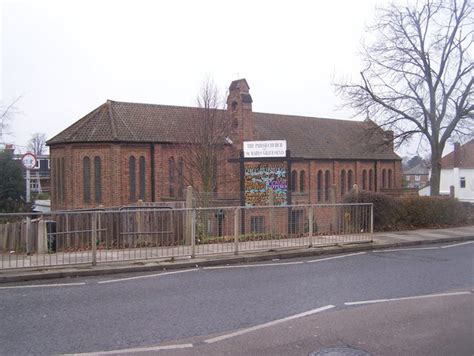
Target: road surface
(361, 301)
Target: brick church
(122, 152)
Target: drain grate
(339, 351)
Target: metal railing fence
(163, 233)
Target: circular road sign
(28, 160)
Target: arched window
(54, 174)
(350, 180)
(390, 179)
(171, 176)
(132, 179)
(86, 179)
(215, 183)
(371, 179)
(364, 179)
(319, 186)
(141, 179)
(63, 180)
(327, 184)
(343, 182)
(302, 181)
(58, 178)
(294, 178)
(98, 179)
(180, 178)
(384, 178)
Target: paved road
(133, 311)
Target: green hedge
(410, 212)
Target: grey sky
(67, 57)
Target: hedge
(409, 212)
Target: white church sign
(260, 149)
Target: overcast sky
(65, 58)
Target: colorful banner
(260, 179)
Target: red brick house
(121, 152)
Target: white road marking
(258, 265)
(462, 243)
(407, 249)
(334, 257)
(44, 285)
(261, 326)
(139, 349)
(407, 298)
(146, 276)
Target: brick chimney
(389, 138)
(457, 155)
(10, 149)
(239, 105)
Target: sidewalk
(381, 240)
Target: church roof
(307, 137)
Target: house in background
(417, 176)
(40, 177)
(458, 171)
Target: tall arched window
(215, 183)
(327, 184)
(302, 181)
(171, 176)
(54, 174)
(132, 179)
(364, 179)
(60, 183)
(58, 180)
(343, 182)
(98, 179)
(141, 178)
(350, 180)
(384, 178)
(86, 179)
(294, 178)
(63, 180)
(180, 178)
(390, 179)
(371, 179)
(319, 186)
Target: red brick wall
(115, 174)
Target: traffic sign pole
(28, 186)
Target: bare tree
(37, 143)
(6, 114)
(209, 132)
(418, 75)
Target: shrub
(431, 211)
(410, 212)
(385, 208)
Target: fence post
(28, 236)
(193, 233)
(310, 226)
(236, 230)
(42, 236)
(371, 221)
(188, 215)
(94, 238)
(333, 200)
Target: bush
(412, 211)
(431, 211)
(385, 208)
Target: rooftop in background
(418, 169)
(463, 154)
